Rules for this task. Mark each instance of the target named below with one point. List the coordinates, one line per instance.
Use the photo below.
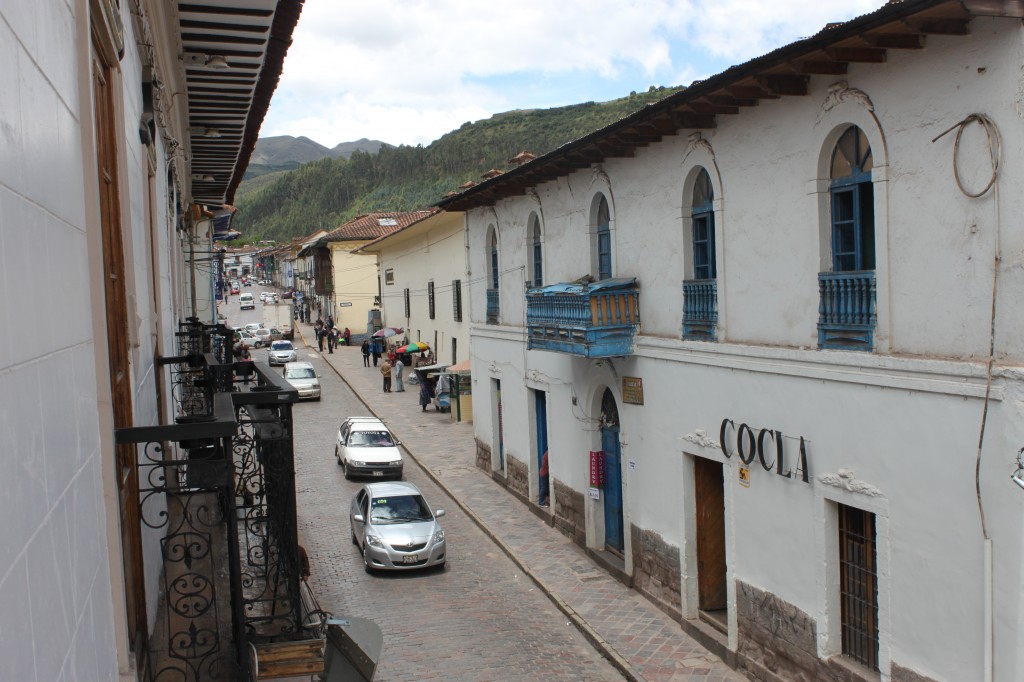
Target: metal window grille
(858, 585)
(457, 300)
(405, 294)
(430, 298)
(389, 276)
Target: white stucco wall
(905, 419)
(430, 250)
(60, 575)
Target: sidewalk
(637, 637)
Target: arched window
(493, 302)
(536, 253)
(853, 203)
(604, 240)
(494, 261)
(703, 228)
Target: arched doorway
(613, 533)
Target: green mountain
(329, 191)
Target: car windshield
(300, 373)
(401, 509)
(281, 345)
(371, 439)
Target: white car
(281, 352)
(366, 447)
(264, 336)
(252, 327)
(303, 379)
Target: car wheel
(348, 475)
(366, 563)
(354, 541)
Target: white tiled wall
(58, 621)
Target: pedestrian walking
(330, 333)
(375, 349)
(399, 388)
(426, 391)
(347, 335)
(366, 353)
(385, 371)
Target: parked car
(253, 326)
(281, 352)
(303, 379)
(366, 447)
(395, 529)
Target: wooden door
(614, 538)
(116, 297)
(709, 495)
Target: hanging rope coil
(995, 150)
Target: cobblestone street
(485, 617)
(479, 619)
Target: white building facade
(422, 279)
(785, 455)
(103, 220)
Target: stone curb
(588, 632)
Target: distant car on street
(264, 336)
(366, 447)
(395, 528)
(303, 379)
(281, 352)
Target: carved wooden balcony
(846, 312)
(595, 320)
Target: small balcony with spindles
(592, 320)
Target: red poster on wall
(596, 468)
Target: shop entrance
(709, 496)
(613, 533)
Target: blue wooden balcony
(846, 313)
(596, 320)
(492, 306)
(700, 309)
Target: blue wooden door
(613, 538)
(501, 429)
(542, 425)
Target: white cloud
(407, 71)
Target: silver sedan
(395, 529)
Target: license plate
(378, 473)
(410, 559)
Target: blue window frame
(494, 262)
(604, 241)
(538, 255)
(704, 228)
(852, 199)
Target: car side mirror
(319, 376)
(397, 442)
(439, 513)
(358, 518)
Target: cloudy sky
(408, 71)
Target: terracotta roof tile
(375, 225)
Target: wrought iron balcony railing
(595, 320)
(700, 309)
(846, 312)
(492, 306)
(219, 484)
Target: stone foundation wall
(776, 637)
(570, 517)
(656, 569)
(483, 456)
(517, 477)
